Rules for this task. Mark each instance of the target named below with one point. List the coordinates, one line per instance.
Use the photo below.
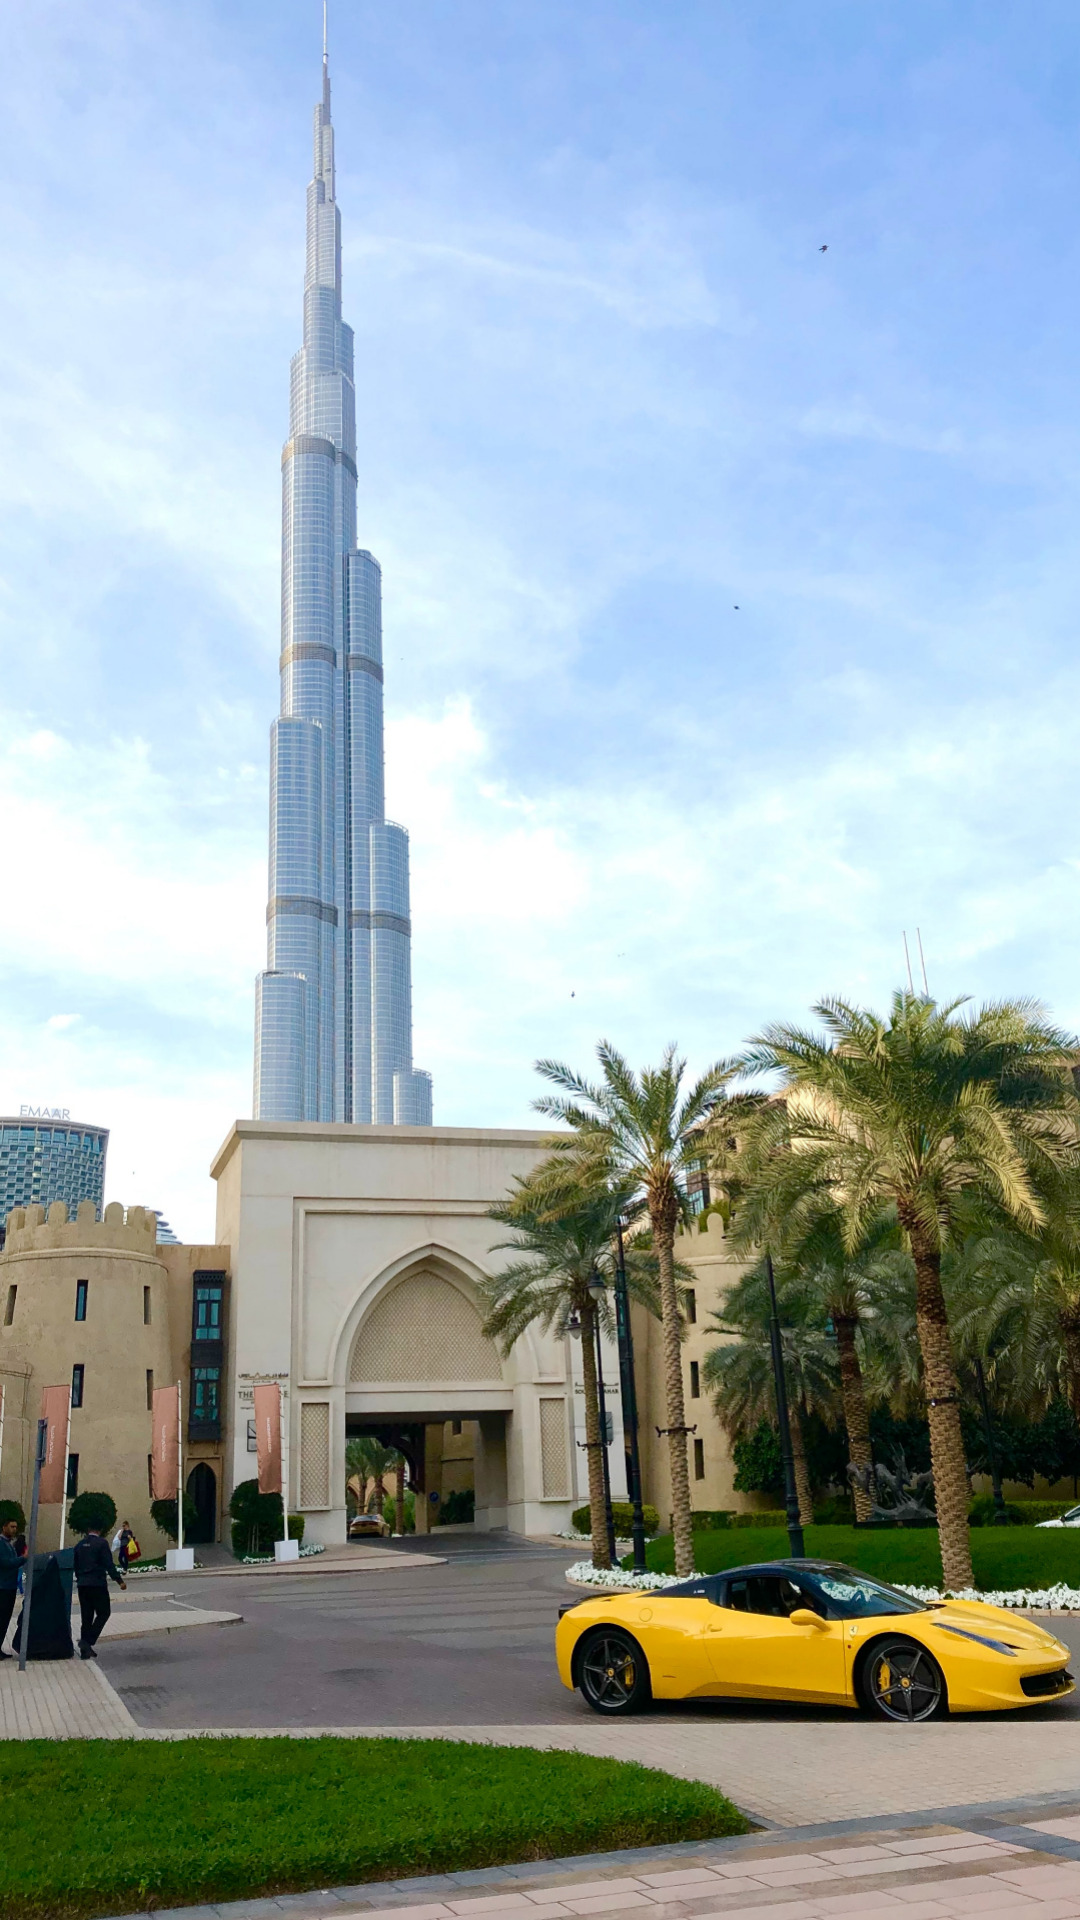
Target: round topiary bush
(163, 1515)
(256, 1519)
(92, 1512)
(11, 1510)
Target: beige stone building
(103, 1307)
(703, 1248)
(346, 1267)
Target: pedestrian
(9, 1578)
(94, 1568)
(126, 1547)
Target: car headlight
(983, 1639)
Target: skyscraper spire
(333, 1011)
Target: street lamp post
(1001, 1518)
(791, 1496)
(629, 1402)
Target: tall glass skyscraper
(333, 1011)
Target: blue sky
(609, 391)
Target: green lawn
(1001, 1556)
(110, 1826)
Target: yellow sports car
(806, 1630)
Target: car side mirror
(805, 1617)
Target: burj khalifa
(333, 1011)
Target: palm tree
(847, 1285)
(562, 1245)
(922, 1111)
(740, 1369)
(641, 1134)
(367, 1459)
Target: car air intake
(1035, 1685)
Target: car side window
(770, 1593)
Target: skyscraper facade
(333, 1011)
(46, 1157)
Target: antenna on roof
(907, 959)
(324, 39)
(922, 963)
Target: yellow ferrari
(806, 1630)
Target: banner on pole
(165, 1472)
(55, 1409)
(268, 1436)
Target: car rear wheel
(613, 1673)
(901, 1681)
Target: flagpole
(67, 1457)
(179, 1468)
(31, 1546)
(284, 1463)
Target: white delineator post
(180, 1559)
(285, 1549)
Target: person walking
(125, 1547)
(9, 1578)
(94, 1568)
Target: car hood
(1000, 1623)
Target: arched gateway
(356, 1256)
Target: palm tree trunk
(399, 1497)
(856, 1418)
(378, 1493)
(663, 1217)
(601, 1552)
(802, 1471)
(943, 1409)
(1070, 1339)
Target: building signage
(45, 1113)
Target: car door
(757, 1652)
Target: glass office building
(333, 1011)
(45, 1160)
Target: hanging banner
(268, 1437)
(56, 1409)
(165, 1472)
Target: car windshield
(854, 1596)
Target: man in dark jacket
(94, 1568)
(9, 1578)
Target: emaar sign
(45, 1113)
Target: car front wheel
(613, 1673)
(901, 1681)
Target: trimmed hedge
(1002, 1556)
(623, 1515)
(11, 1510)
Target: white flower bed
(584, 1574)
(1059, 1599)
(266, 1559)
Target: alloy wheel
(611, 1673)
(903, 1682)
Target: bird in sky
(824, 249)
(734, 609)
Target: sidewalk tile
(582, 1889)
(840, 1854)
(607, 1902)
(491, 1903)
(680, 1876)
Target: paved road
(464, 1644)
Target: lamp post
(791, 1496)
(629, 1402)
(597, 1289)
(1001, 1518)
